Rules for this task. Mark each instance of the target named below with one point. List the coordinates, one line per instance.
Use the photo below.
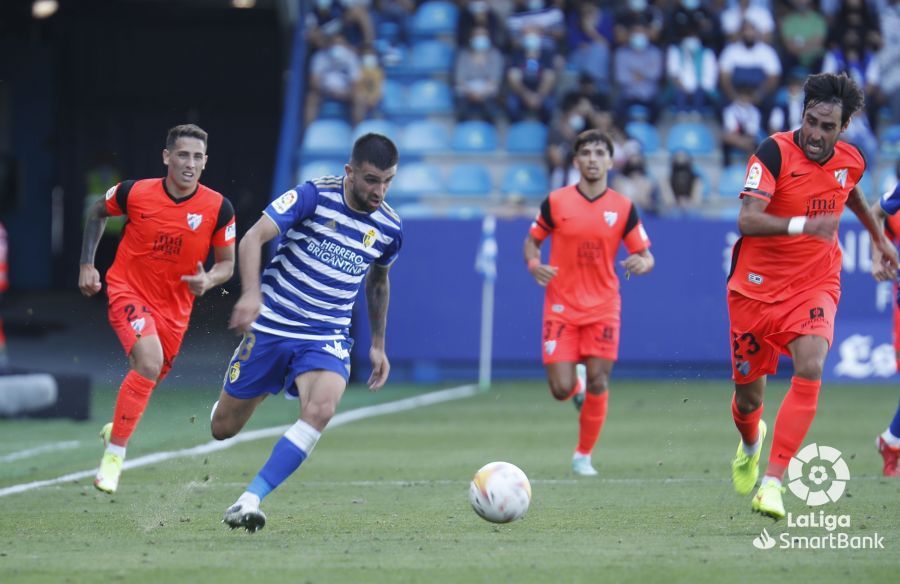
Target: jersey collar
(176, 200)
(587, 198)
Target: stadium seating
(326, 138)
(424, 137)
(731, 180)
(527, 180)
(470, 180)
(428, 97)
(393, 99)
(646, 135)
(319, 168)
(417, 180)
(693, 137)
(528, 137)
(383, 127)
(867, 184)
(890, 142)
(474, 136)
(423, 59)
(435, 18)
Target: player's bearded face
(186, 161)
(820, 130)
(368, 185)
(593, 161)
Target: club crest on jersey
(610, 217)
(841, 176)
(754, 175)
(194, 220)
(234, 372)
(369, 238)
(138, 324)
(331, 225)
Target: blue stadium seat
(317, 168)
(867, 184)
(731, 181)
(424, 137)
(890, 142)
(435, 18)
(324, 138)
(416, 180)
(528, 180)
(383, 127)
(333, 110)
(694, 137)
(430, 97)
(527, 137)
(430, 56)
(704, 181)
(646, 134)
(470, 180)
(474, 136)
(393, 99)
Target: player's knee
(747, 402)
(222, 430)
(809, 367)
(560, 390)
(320, 412)
(597, 384)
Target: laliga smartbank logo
(818, 475)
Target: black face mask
(633, 168)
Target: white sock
(248, 500)
(892, 441)
(767, 479)
(212, 412)
(116, 449)
(303, 436)
(751, 449)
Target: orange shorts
(761, 331)
(567, 343)
(131, 319)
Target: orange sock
(792, 423)
(593, 414)
(747, 424)
(134, 393)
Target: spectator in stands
(638, 12)
(855, 59)
(741, 126)
(575, 116)
(478, 76)
(750, 62)
(599, 97)
(859, 132)
(690, 16)
(334, 73)
(637, 184)
(531, 80)
(858, 16)
(481, 13)
(638, 72)
(623, 146)
(349, 18)
(369, 86)
(540, 16)
(733, 17)
(788, 111)
(693, 74)
(803, 34)
(590, 31)
(398, 13)
(684, 189)
(889, 56)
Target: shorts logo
(234, 372)
(194, 220)
(369, 238)
(337, 350)
(549, 347)
(230, 232)
(754, 176)
(285, 202)
(743, 367)
(817, 312)
(111, 192)
(138, 324)
(841, 176)
(754, 278)
(610, 217)
(557, 308)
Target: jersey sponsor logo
(285, 202)
(111, 193)
(610, 217)
(754, 176)
(230, 232)
(841, 176)
(549, 347)
(369, 238)
(168, 244)
(754, 278)
(194, 220)
(138, 324)
(337, 350)
(234, 372)
(337, 256)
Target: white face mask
(531, 41)
(637, 5)
(481, 43)
(576, 122)
(535, 4)
(478, 7)
(691, 4)
(691, 43)
(323, 4)
(370, 60)
(639, 41)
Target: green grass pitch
(385, 499)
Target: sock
(748, 425)
(134, 393)
(792, 423)
(116, 449)
(892, 434)
(288, 454)
(767, 479)
(593, 414)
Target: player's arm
(540, 230)
(202, 281)
(246, 309)
(639, 263)
(95, 223)
(378, 295)
(753, 220)
(884, 254)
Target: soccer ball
(500, 492)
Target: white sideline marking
(39, 450)
(340, 419)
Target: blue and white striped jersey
(326, 248)
(890, 201)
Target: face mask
(535, 4)
(576, 122)
(691, 44)
(323, 4)
(478, 7)
(531, 42)
(637, 5)
(748, 41)
(639, 41)
(370, 61)
(481, 43)
(335, 51)
(691, 4)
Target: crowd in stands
(647, 72)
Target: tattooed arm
(378, 294)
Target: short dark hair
(375, 149)
(589, 136)
(837, 89)
(186, 131)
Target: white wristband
(796, 224)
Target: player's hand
(89, 280)
(245, 312)
(380, 368)
(637, 264)
(823, 226)
(543, 273)
(884, 260)
(198, 283)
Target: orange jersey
(586, 235)
(163, 240)
(775, 268)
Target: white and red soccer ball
(500, 492)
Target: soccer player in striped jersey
(335, 231)
(157, 273)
